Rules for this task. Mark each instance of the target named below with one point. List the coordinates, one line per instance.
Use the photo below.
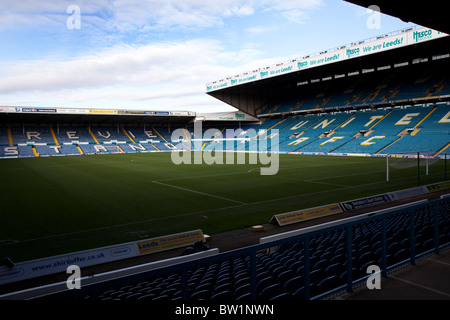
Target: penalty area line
(198, 192)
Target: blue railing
(387, 240)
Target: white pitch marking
(199, 192)
(420, 286)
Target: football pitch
(59, 205)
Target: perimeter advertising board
(365, 202)
(284, 219)
(169, 242)
(58, 264)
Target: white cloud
(153, 63)
(160, 74)
(126, 15)
(258, 30)
(294, 10)
(123, 15)
(167, 75)
(200, 13)
(43, 13)
(184, 13)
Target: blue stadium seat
(293, 284)
(271, 291)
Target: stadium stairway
(79, 149)
(387, 146)
(55, 139)
(10, 137)
(443, 149)
(426, 280)
(36, 154)
(93, 136)
(127, 134)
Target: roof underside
(431, 14)
(42, 118)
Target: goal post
(405, 160)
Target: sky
(160, 54)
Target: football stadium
(333, 172)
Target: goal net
(407, 160)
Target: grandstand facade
(41, 132)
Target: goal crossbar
(423, 159)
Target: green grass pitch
(59, 205)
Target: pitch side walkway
(429, 279)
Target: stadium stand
(31, 134)
(370, 90)
(388, 130)
(385, 130)
(430, 134)
(76, 140)
(4, 140)
(375, 114)
(56, 150)
(71, 134)
(109, 134)
(316, 264)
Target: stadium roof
(251, 92)
(10, 114)
(431, 14)
(233, 116)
